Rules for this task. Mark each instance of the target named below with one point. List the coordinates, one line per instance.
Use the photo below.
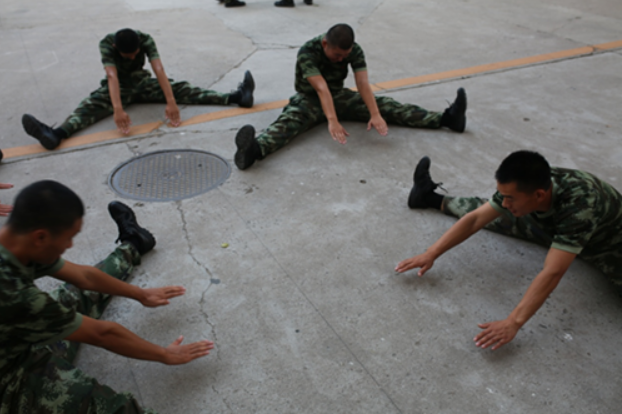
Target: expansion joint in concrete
(362, 19)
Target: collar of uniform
(554, 188)
(7, 256)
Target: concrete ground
(306, 311)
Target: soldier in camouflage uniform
(321, 67)
(40, 332)
(123, 56)
(571, 212)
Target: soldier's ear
(39, 237)
(540, 194)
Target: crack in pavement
(202, 301)
(224, 400)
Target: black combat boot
(422, 194)
(454, 117)
(235, 3)
(43, 133)
(248, 148)
(284, 3)
(243, 96)
(129, 230)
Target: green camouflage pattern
(304, 111)
(136, 86)
(110, 56)
(37, 376)
(141, 89)
(585, 219)
(312, 61)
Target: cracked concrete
(305, 309)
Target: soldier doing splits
(123, 56)
(571, 212)
(321, 68)
(40, 332)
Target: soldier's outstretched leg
(352, 108)
(301, 114)
(135, 241)
(92, 109)
(422, 195)
(149, 91)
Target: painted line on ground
(376, 87)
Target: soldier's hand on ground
(5, 209)
(160, 296)
(123, 122)
(425, 261)
(172, 114)
(338, 132)
(496, 334)
(177, 354)
(379, 123)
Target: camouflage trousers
(303, 112)
(608, 262)
(48, 382)
(142, 88)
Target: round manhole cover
(169, 175)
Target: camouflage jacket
(585, 217)
(125, 67)
(312, 61)
(28, 316)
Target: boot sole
(462, 125)
(244, 141)
(249, 86)
(414, 196)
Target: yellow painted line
(490, 67)
(82, 140)
(229, 113)
(399, 83)
(609, 46)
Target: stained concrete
(305, 309)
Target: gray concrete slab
(305, 309)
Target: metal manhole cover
(169, 175)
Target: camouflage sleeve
(575, 225)
(147, 44)
(358, 59)
(39, 319)
(307, 61)
(50, 269)
(106, 49)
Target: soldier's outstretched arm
(375, 120)
(499, 333)
(468, 225)
(91, 278)
(172, 110)
(122, 341)
(337, 131)
(121, 118)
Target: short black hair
(126, 41)
(528, 169)
(340, 35)
(45, 205)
